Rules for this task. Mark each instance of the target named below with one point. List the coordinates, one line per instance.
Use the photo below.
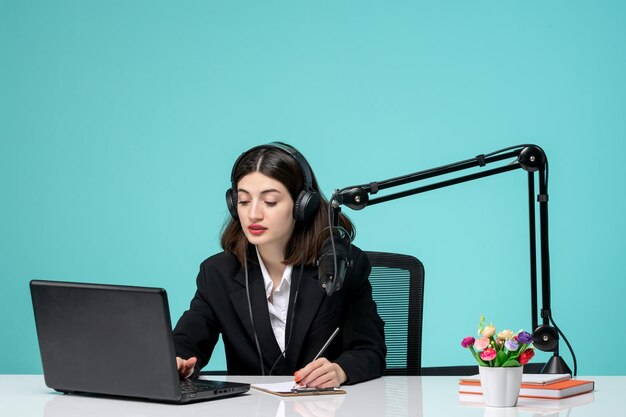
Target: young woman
(262, 292)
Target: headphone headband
(307, 201)
(305, 168)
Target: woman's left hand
(321, 373)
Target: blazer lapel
(258, 301)
(310, 296)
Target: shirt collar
(285, 281)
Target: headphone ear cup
(306, 206)
(545, 338)
(231, 203)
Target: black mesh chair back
(398, 290)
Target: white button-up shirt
(277, 301)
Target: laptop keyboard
(194, 385)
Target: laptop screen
(106, 339)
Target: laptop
(113, 340)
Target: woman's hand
(186, 366)
(321, 373)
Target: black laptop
(113, 340)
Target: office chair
(398, 290)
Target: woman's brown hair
(307, 238)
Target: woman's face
(265, 210)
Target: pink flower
(526, 356)
(467, 342)
(481, 343)
(488, 354)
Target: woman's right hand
(186, 366)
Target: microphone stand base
(556, 365)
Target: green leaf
(511, 363)
(501, 358)
(477, 357)
(518, 352)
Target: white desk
(26, 395)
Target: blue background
(120, 120)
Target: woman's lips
(256, 229)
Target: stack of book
(534, 386)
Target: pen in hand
(330, 339)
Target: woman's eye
(242, 202)
(270, 203)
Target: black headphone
(306, 202)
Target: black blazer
(220, 306)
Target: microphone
(333, 263)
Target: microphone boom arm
(530, 158)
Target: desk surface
(27, 395)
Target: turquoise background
(120, 120)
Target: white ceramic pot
(500, 386)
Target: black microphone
(333, 264)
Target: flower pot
(500, 386)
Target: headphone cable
(256, 338)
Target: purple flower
(524, 337)
(511, 345)
(467, 342)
